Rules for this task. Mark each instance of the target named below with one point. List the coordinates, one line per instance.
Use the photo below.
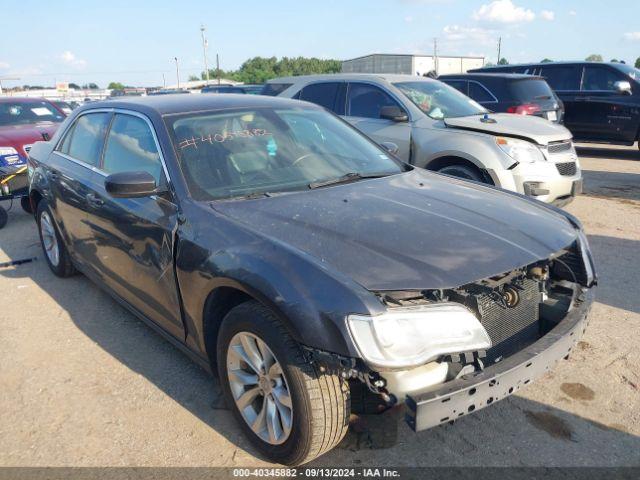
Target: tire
(25, 203)
(4, 217)
(320, 400)
(463, 171)
(50, 239)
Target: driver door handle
(94, 201)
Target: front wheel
(290, 410)
(463, 171)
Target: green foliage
(261, 69)
(594, 57)
(637, 65)
(546, 60)
(193, 78)
(614, 60)
(503, 61)
(115, 86)
(74, 85)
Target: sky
(135, 41)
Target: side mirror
(390, 147)
(394, 113)
(131, 185)
(623, 87)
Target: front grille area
(567, 168)
(559, 147)
(569, 266)
(510, 328)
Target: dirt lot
(83, 383)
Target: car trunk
(534, 97)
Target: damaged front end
(524, 321)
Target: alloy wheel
(259, 388)
(49, 239)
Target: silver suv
(431, 125)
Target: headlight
(7, 151)
(408, 337)
(520, 150)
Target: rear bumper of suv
(457, 398)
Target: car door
(481, 94)
(71, 169)
(606, 113)
(134, 237)
(364, 102)
(565, 82)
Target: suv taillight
(525, 109)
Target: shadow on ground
(631, 153)
(618, 186)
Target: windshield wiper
(346, 178)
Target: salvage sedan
(317, 275)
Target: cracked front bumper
(472, 392)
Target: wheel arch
(446, 160)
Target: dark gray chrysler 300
(317, 274)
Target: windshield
(264, 151)
(634, 73)
(439, 100)
(24, 113)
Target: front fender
(311, 301)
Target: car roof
(506, 76)
(380, 77)
(537, 64)
(22, 99)
(177, 103)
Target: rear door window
(479, 93)
(366, 100)
(131, 147)
(600, 78)
(323, 94)
(563, 77)
(85, 139)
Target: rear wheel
(55, 252)
(290, 410)
(463, 171)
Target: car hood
(532, 128)
(17, 136)
(412, 231)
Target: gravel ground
(83, 383)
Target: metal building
(410, 64)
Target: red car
(24, 121)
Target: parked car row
(317, 273)
(601, 100)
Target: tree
(115, 86)
(193, 78)
(614, 60)
(503, 61)
(546, 60)
(74, 85)
(637, 65)
(594, 57)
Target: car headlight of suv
(412, 336)
(520, 150)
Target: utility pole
(218, 68)
(177, 71)
(499, 47)
(205, 44)
(435, 55)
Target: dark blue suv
(601, 100)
